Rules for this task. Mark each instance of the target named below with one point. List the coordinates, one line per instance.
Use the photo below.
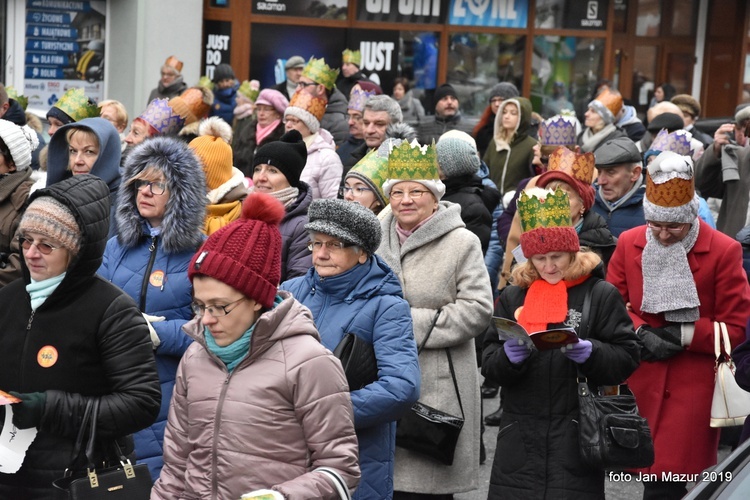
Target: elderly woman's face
(593, 120)
(266, 114)
(44, 256)
(552, 266)
(412, 203)
(331, 258)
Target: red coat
(675, 394)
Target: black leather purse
(358, 359)
(121, 482)
(429, 431)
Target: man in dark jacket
(350, 73)
(691, 110)
(293, 69)
(619, 185)
(447, 116)
(319, 80)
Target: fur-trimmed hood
(186, 182)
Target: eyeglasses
(215, 311)
(156, 188)
(669, 229)
(306, 84)
(356, 191)
(414, 195)
(331, 245)
(44, 248)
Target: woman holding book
(537, 448)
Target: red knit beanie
(246, 254)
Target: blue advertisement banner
(494, 13)
(48, 17)
(61, 5)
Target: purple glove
(578, 352)
(517, 352)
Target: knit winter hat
(194, 104)
(160, 115)
(444, 90)
(349, 222)
(607, 104)
(288, 154)
(373, 171)
(213, 149)
(246, 254)
(47, 216)
(545, 221)
(457, 158)
(308, 108)
(271, 97)
(670, 190)
(414, 163)
(505, 90)
(21, 141)
(222, 72)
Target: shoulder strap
(586, 312)
(429, 332)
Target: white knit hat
(21, 141)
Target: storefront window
(477, 61)
(684, 16)
(564, 73)
(649, 18)
(680, 71)
(621, 16)
(644, 71)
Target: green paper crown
(22, 100)
(205, 82)
(409, 162)
(318, 71)
(374, 168)
(76, 105)
(552, 211)
(251, 90)
(352, 56)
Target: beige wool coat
(440, 266)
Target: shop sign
(217, 42)
(496, 13)
(401, 11)
(586, 15)
(319, 9)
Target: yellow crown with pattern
(578, 166)
(352, 56)
(22, 100)
(76, 105)
(413, 162)
(318, 71)
(548, 212)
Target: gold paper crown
(413, 162)
(314, 105)
(22, 100)
(578, 166)
(552, 211)
(610, 100)
(76, 105)
(318, 71)
(352, 56)
(194, 104)
(174, 63)
(373, 168)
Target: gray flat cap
(615, 152)
(295, 62)
(348, 221)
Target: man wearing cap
(447, 116)
(319, 80)
(171, 83)
(351, 60)
(293, 69)
(724, 172)
(619, 185)
(691, 110)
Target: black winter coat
(537, 446)
(101, 349)
(477, 204)
(596, 235)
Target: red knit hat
(246, 254)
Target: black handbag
(427, 430)
(121, 482)
(611, 432)
(357, 357)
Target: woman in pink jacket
(259, 403)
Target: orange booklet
(7, 399)
(554, 338)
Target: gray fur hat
(457, 158)
(349, 222)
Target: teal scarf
(235, 352)
(40, 290)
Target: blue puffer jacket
(153, 269)
(225, 100)
(367, 300)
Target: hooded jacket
(225, 203)
(323, 170)
(367, 301)
(477, 201)
(153, 270)
(225, 100)
(511, 163)
(268, 423)
(100, 345)
(336, 119)
(106, 167)
(296, 259)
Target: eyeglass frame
(357, 191)
(140, 183)
(399, 195)
(670, 230)
(306, 84)
(22, 240)
(200, 310)
(331, 245)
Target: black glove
(28, 413)
(660, 343)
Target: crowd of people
(192, 272)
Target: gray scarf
(612, 205)
(668, 284)
(590, 140)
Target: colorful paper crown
(173, 62)
(669, 181)
(250, 89)
(557, 131)
(76, 105)
(545, 220)
(607, 104)
(23, 101)
(413, 162)
(206, 83)
(318, 71)
(677, 142)
(352, 56)
(578, 166)
(358, 98)
(373, 170)
(162, 117)
(193, 105)
(314, 105)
